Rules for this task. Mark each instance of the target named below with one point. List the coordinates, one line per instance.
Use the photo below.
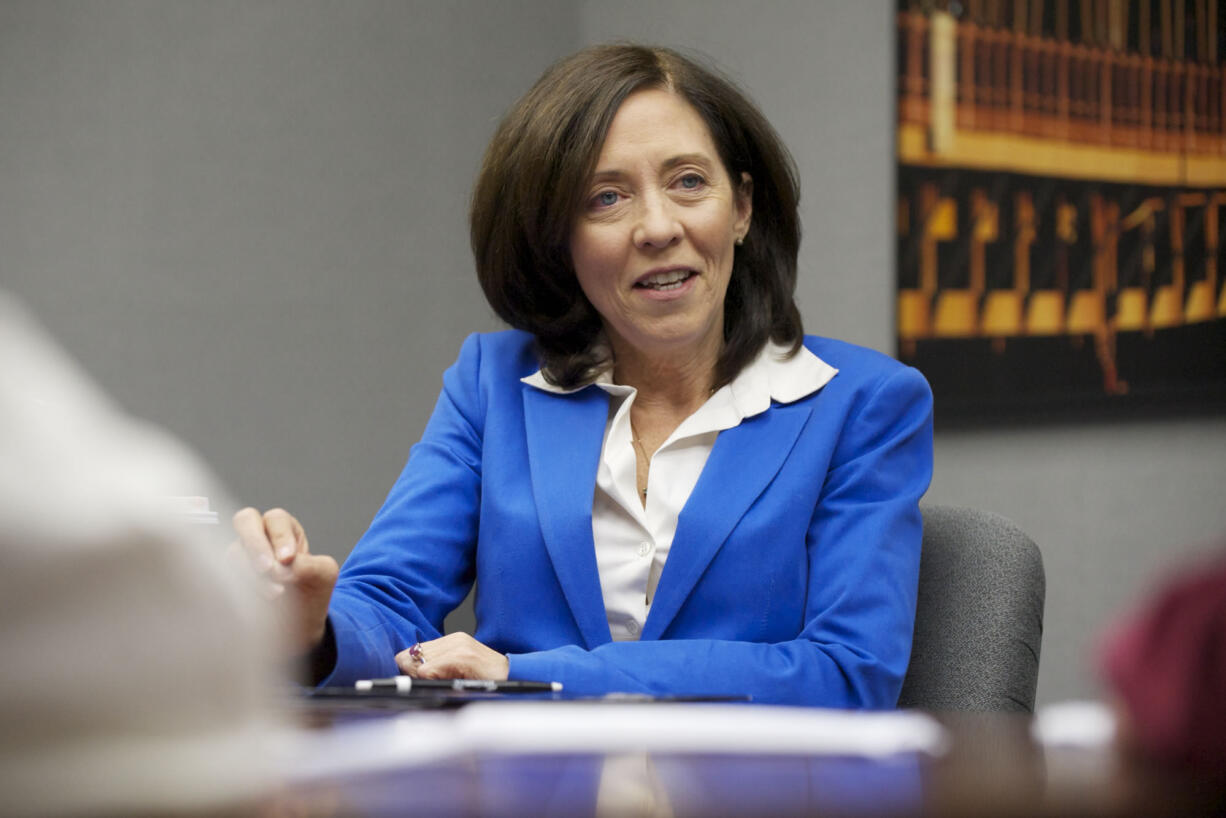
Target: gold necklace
(637, 442)
(638, 445)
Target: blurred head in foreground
(136, 664)
(1166, 665)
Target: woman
(658, 483)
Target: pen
(405, 684)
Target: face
(653, 243)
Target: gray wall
(247, 220)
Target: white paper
(415, 738)
(138, 660)
(548, 727)
(1074, 724)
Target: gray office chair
(979, 621)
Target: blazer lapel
(565, 433)
(742, 463)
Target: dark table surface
(992, 768)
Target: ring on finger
(415, 654)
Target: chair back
(979, 618)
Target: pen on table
(404, 684)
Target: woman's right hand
(276, 545)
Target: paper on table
(541, 727)
(1074, 724)
(597, 727)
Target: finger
(260, 563)
(407, 664)
(313, 573)
(263, 566)
(458, 656)
(249, 526)
(412, 660)
(451, 667)
(449, 646)
(269, 580)
(312, 578)
(285, 534)
(253, 542)
(440, 669)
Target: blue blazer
(792, 576)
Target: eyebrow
(668, 164)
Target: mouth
(665, 280)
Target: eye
(691, 181)
(605, 198)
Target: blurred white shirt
(137, 661)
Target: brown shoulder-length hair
(535, 176)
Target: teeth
(666, 281)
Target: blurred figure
(1167, 667)
(136, 666)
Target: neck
(677, 383)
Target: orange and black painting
(1062, 204)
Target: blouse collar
(771, 376)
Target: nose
(657, 225)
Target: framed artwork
(1062, 205)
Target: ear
(744, 205)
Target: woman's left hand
(454, 656)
